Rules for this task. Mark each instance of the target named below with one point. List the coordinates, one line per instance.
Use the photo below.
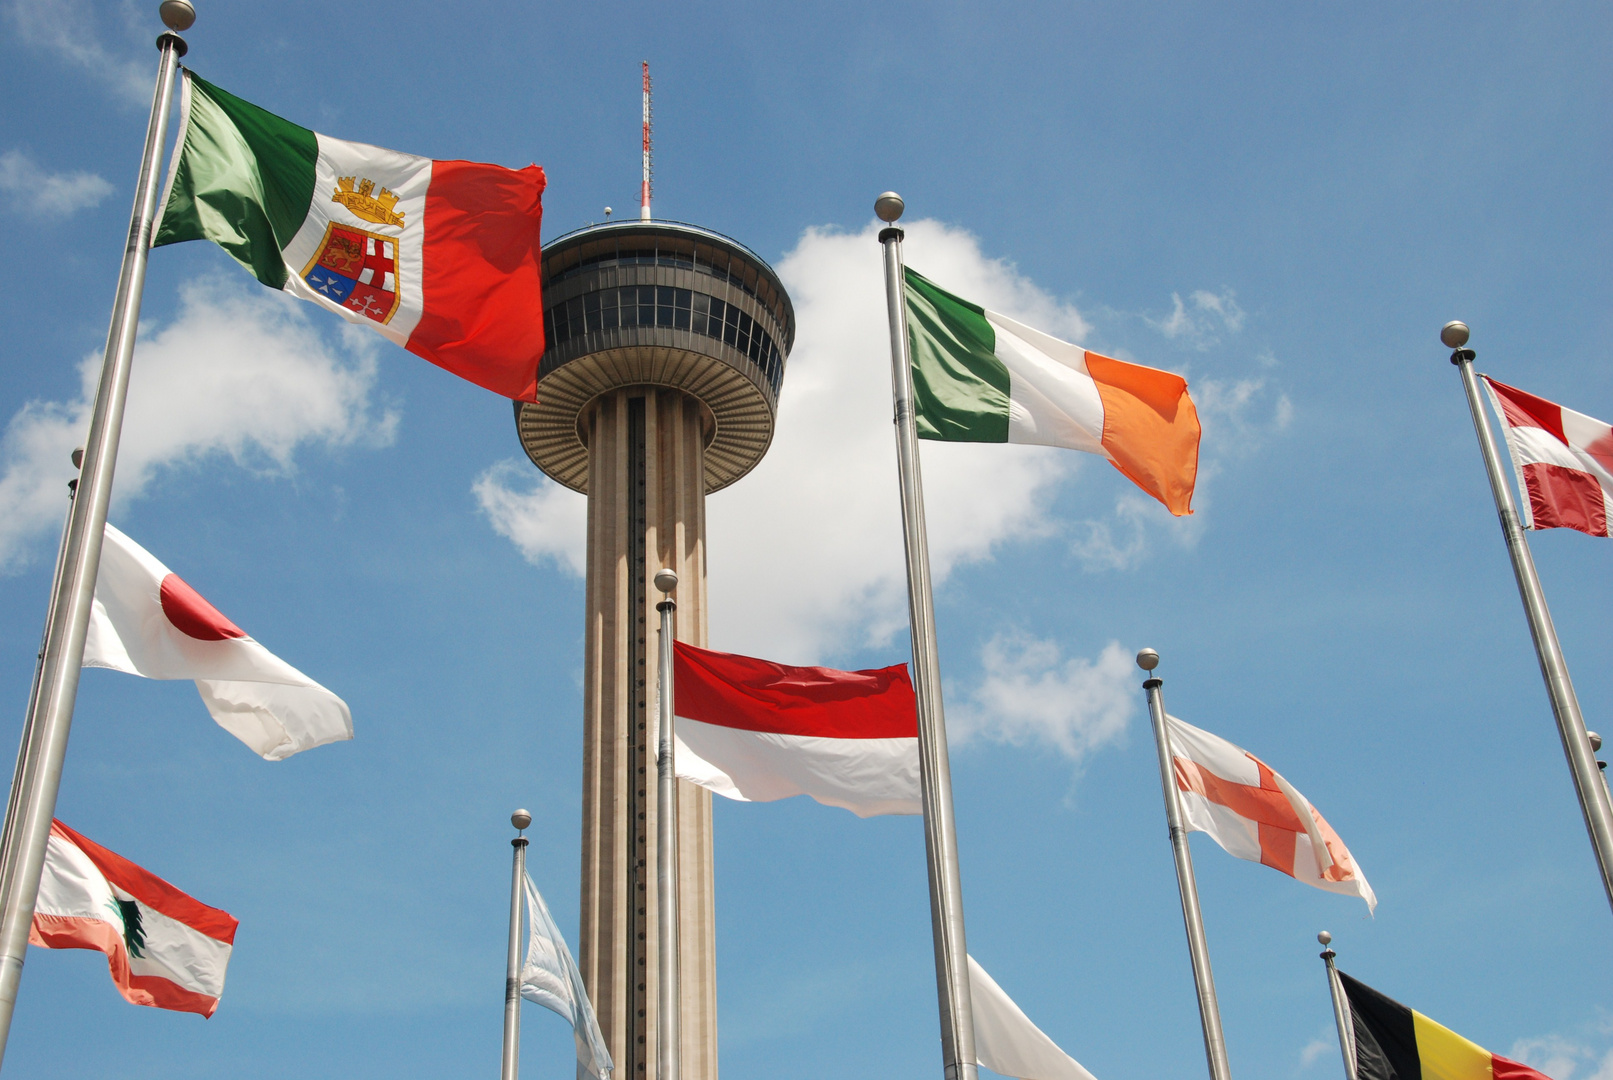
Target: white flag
(1006, 1041)
(550, 978)
(147, 621)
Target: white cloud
(806, 552)
(1032, 695)
(1561, 1058)
(70, 29)
(1314, 1050)
(543, 519)
(241, 371)
(37, 193)
(1202, 319)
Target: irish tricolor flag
(756, 731)
(982, 377)
(164, 948)
(441, 257)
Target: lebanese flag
(1563, 459)
(1250, 810)
(147, 621)
(757, 731)
(164, 948)
(440, 257)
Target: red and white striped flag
(1253, 813)
(1563, 460)
(164, 948)
(757, 731)
(147, 621)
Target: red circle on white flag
(194, 616)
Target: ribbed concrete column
(646, 510)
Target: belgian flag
(1393, 1042)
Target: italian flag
(164, 949)
(982, 377)
(440, 257)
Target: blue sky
(1284, 204)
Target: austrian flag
(1563, 460)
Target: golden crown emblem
(363, 203)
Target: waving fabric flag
(756, 731)
(1393, 1042)
(550, 977)
(1563, 460)
(1007, 1043)
(147, 621)
(982, 377)
(164, 948)
(441, 257)
(1252, 812)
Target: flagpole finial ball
(177, 14)
(1325, 938)
(1595, 741)
(889, 206)
(1454, 334)
(666, 580)
(1148, 659)
(520, 819)
(78, 457)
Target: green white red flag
(982, 377)
(440, 257)
(164, 948)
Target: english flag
(1251, 811)
(757, 731)
(1563, 461)
(164, 949)
(147, 621)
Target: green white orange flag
(440, 257)
(982, 377)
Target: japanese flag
(147, 621)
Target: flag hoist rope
(940, 832)
(512, 969)
(667, 1023)
(44, 739)
(1593, 793)
(1198, 949)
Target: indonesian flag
(1563, 459)
(440, 257)
(164, 948)
(757, 731)
(1252, 812)
(146, 621)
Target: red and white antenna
(644, 192)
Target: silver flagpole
(667, 1024)
(940, 832)
(1215, 1045)
(1341, 1007)
(1593, 794)
(23, 845)
(512, 969)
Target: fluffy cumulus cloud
(36, 193)
(71, 30)
(807, 550)
(1563, 1058)
(1031, 694)
(240, 372)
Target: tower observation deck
(666, 349)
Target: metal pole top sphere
(1454, 334)
(1148, 659)
(888, 207)
(1325, 938)
(177, 15)
(521, 819)
(666, 579)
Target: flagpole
(1341, 1007)
(1215, 1046)
(512, 968)
(48, 722)
(667, 1024)
(1594, 801)
(940, 831)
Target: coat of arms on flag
(358, 270)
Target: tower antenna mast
(644, 191)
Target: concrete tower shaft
(667, 345)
